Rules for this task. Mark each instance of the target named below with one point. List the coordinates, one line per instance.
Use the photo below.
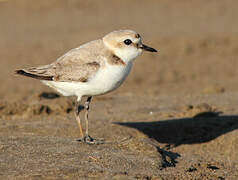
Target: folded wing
(68, 68)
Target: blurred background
(198, 41)
(169, 110)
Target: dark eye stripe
(137, 36)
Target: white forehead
(122, 35)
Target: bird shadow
(201, 128)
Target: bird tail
(33, 74)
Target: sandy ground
(175, 117)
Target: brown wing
(40, 73)
(79, 64)
(64, 72)
(75, 72)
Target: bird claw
(89, 140)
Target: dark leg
(86, 106)
(87, 139)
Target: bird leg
(86, 106)
(77, 111)
(87, 139)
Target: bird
(94, 68)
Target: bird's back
(78, 64)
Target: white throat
(127, 54)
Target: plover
(92, 69)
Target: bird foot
(89, 140)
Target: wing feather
(79, 65)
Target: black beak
(147, 48)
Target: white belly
(107, 79)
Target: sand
(175, 117)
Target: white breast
(108, 78)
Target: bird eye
(127, 41)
